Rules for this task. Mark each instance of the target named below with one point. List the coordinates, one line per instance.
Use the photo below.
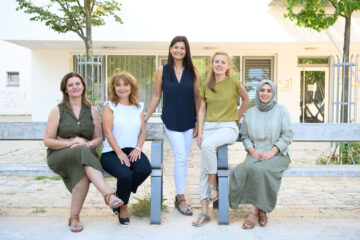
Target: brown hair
(128, 78)
(66, 100)
(211, 81)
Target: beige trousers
(215, 134)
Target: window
(143, 68)
(256, 69)
(313, 61)
(13, 79)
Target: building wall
(15, 100)
(47, 74)
(49, 66)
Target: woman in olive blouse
(218, 117)
(73, 131)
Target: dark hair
(128, 78)
(211, 81)
(187, 61)
(66, 100)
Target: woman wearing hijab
(266, 132)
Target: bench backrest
(303, 132)
(35, 131)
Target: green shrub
(347, 153)
(40, 178)
(143, 206)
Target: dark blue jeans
(128, 178)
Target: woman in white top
(124, 128)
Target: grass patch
(142, 207)
(40, 178)
(39, 210)
(39, 189)
(55, 178)
(13, 151)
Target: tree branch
(78, 29)
(336, 8)
(80, 7)
(92, 5)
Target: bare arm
(201, 120)
(197, 102)
(136, 153)
(157, 94)
(244, 100)
(142, 135)
(52, 125)
(97, 135)
(108, 126)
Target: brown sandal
(114, 204)
(249, 224)
(77, 227)
(263, 219)
(186, 210)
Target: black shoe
(123, 221)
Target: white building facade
(261, 42)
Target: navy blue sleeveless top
(179, 112)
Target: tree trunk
(89, 49)
(346, 80)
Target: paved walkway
(319, 208)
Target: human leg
(263, 219)
(203, 217)
(140, 169)
(97, 178)
(215, 134)
(78, 196)
(181, 143)
(251, 219)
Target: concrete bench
(35, 131)
(303, 132)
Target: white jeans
(215, 134)
(180, 143)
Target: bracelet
(138, 148)
(90, 145)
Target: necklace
(178, 73)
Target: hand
(199, 139)
(195, 131)
(146, 118)
(135, 155)
(77, 141)
(254, 153)
(269, 154)
(123, 159)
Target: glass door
(313, 95)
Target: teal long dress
(255, 181)
(69, 163)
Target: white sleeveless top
(126, 125)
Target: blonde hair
(211, 81)
(66, 100)
(128, 78)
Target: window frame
(9, 82)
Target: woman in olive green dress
(73, 131)
(267, 133)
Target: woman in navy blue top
(178, 81)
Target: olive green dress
(255, 181)
(69, 163)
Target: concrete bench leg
(156, 196)
(223, 184)
(223, 189)
(156, 181)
